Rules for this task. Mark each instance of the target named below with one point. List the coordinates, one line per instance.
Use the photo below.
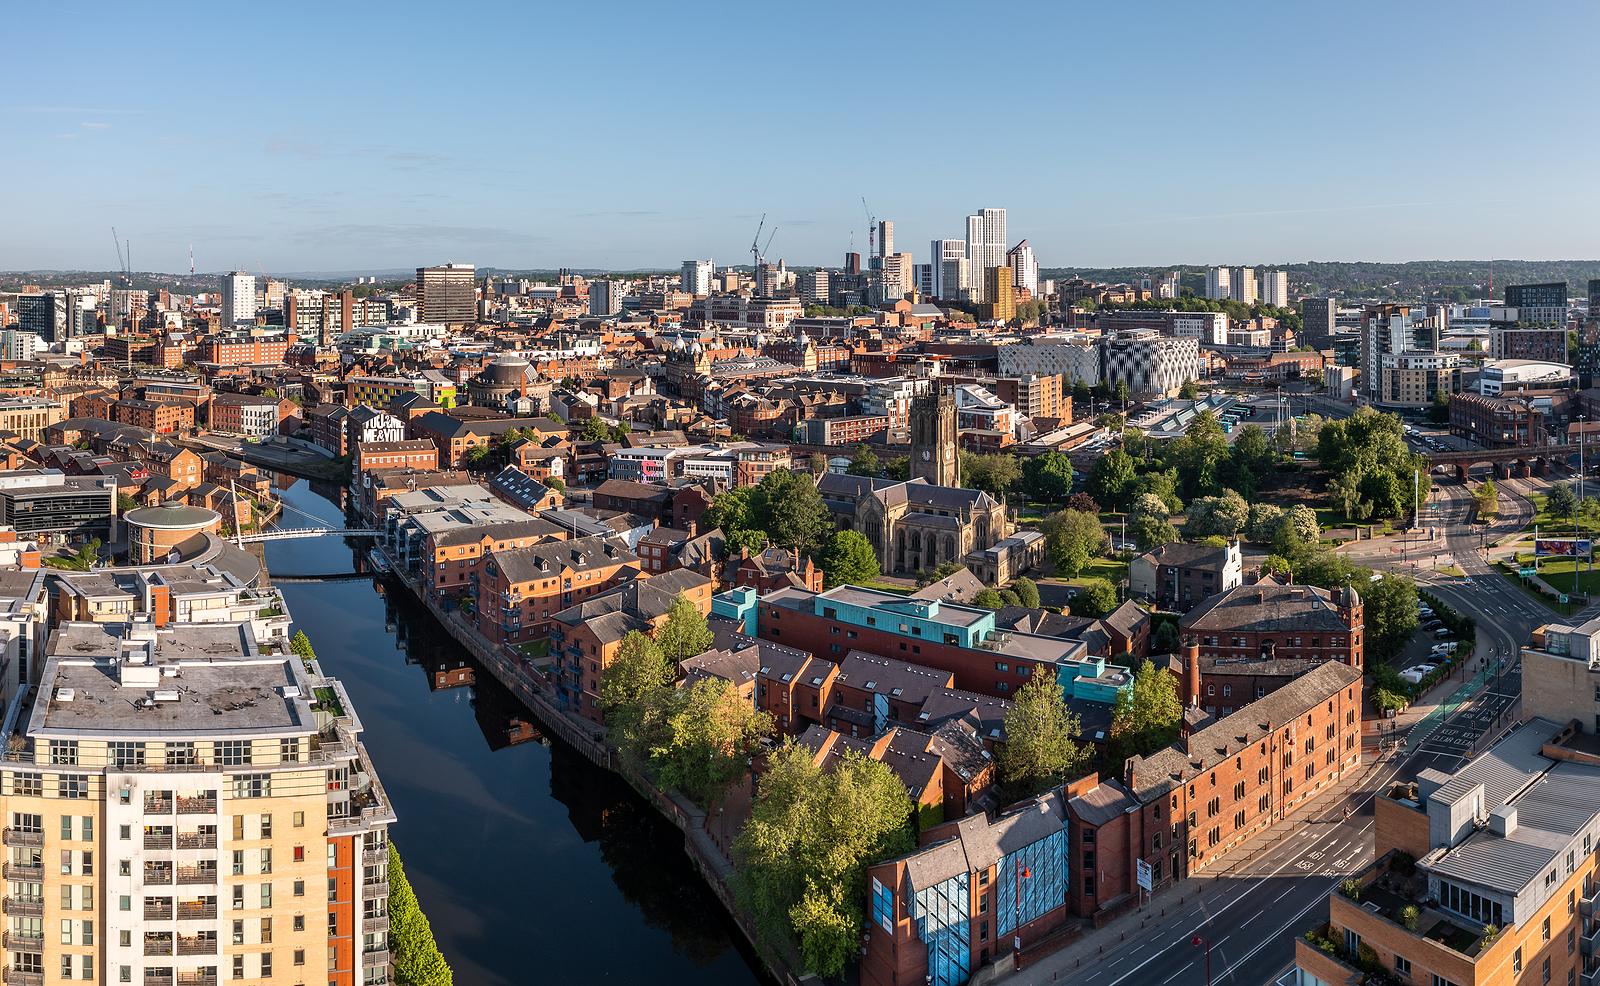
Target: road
(1252, 913)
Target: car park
(1441, 634)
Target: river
(533, 865)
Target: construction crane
(768, 248)
(755, 245)
(124, 260)
(872, 227)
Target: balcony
(197, 875)
(1591, 940)
(206, 911)
(1589, 906)
(154, 977)
(16, 977)
(1591, 974)
(200, 805)
(158, 804)
(157, 875)
(197, 840)
(197, 945)
(158, 912)
(373, 855)
(158, 944)
(28, 907)
(378, 889)
(375, 925)
(22, 837)
(158, 840)
(197, 978)
(30, 872)
(23, 941)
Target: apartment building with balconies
(207, 809)
(1487, 877)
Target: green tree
(1199, 457)
(1164, 639)
(1047, 476)
(818, 463)
(800, 863)
(1148, 519)
(416, 955)
(300, 646)
(1027, 592)
(1367, 452)
(1560, 501)
(636, 673)
(1147, 713)
(988, 599)
(1009, 597)
(787, 507)
(1111, 480)
(711, 734)
(1225, 515)
(1073, 538)
(1161, 484)
(1487, 498)
(126, 503)
(993, 474)
(898, 468)
(1298, 533)
(1250, 458)
(847, 559)
(595, 429)
(864, 463)
(1390, 612)
(1189, 391)
(1041, 748)
(1439, 410)
(685, 633)
(1121, 392)
(476, 457)
(556, 483)
(1095, 599)
(1261, 526)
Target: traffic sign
(1563, 599)
(1527, 572)
(1145, 881)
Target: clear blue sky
(290, 137)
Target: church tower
(933, 438)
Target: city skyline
(488, 153)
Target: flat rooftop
(113, 676)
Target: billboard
(1563, 547)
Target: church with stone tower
(934, 454)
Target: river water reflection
(534, 866)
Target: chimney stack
(1191, 661)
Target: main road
(1251, 912)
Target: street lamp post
(1577, 502)
(1200, 942)
(1023, 873)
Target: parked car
(1442, 634)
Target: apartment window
(73, 786)
(266, 861)
(266, 826)
(266, 931)
(125, 754)
(234, 753)
(1544, 933)
(238, 828)
(238, 862)
(299, 956)
(299, 819)
(299, 888)
(266, 895)
(289, 750)
(238, 967)
(181, 754)
(252, 786)
(64, 752)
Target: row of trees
(697, 738)
(1373, 473)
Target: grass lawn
(533, 650)
(1558, 572)
(1113, 570)
(1533, 593)
(898, 588)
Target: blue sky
(338, 136)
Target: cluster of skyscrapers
(1242, 284)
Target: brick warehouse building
(1256, 638)
(944, 911)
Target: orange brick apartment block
(1484, 878)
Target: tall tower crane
(872, 228)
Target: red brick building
(412, 453)
(520, 589)
(773, 568)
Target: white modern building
(1242, 281)
(696, 277)
(1217, 283)
(1024, 268)
(940, 252)
(986, 246)
(238, 298)
(1511, 375)
(1275, 287)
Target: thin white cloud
(95, 125)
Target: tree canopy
(1095, 598)
(847, 559)
(1148, 714)
(1041, 748)
(801, 860)
(1047, 476)
(685, 633)
(1371, 464)
(864, 463)
(1073, 538)
(993, 474)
